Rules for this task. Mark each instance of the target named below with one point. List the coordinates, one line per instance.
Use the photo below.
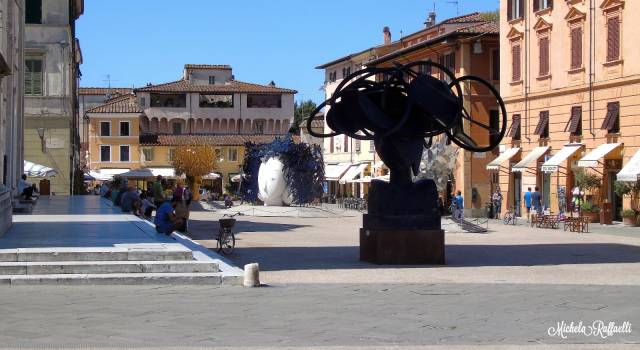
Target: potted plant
(629, 217)
(591, 211)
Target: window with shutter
(544, 56)
(331, 144)
(612, 119)
(495, 62)
(515, 64)
(576, 48)
(510, 10)
(346, 143)
(514, 131)
(613, 39)
(574, 126)
(542, 129)
(33, 76)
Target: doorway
(614, 199)
(546, 190)
(517, 192)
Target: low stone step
(122, 279)
(94, 254)
(106, 267)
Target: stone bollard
(252, 275)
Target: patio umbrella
(37, 170)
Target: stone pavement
(306, 315)
(314, 250)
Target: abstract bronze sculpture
(401, 112)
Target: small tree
(302, 111)
(194, 162)
(590, 183)
(631, 190)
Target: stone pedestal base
(407, 247)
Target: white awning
(530, 159)
(212, 176)
(165, 172)
(37, 170)
(365, 179)
(591, 159)
(631, 171)
(553, 163)
(106, 174)
(505, 156)
(333, 172)
(353, 172)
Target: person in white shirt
(25, 188)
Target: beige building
(52, 58)
(348, 160)
(11, 104)
(571, 82)
(206, 107)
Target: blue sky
(148, 41)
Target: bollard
(252, 275)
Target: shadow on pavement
(312, 258)
(208, 229)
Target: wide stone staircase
(161, 264)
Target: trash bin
(489, 210)
(606, 213)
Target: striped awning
(353, 172)
(333, 172)
(530, 159)
(631, 171)
(553, 163)
(36, 170)
(505, 156)
(592, 159)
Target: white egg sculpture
(272, 185)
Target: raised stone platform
(85, 240)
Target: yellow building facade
(114, 133)
(571, 84)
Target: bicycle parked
(226, 238)
(510, 216)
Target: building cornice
(575, 89)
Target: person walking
(497, 203)
(158, 192)
(527, 203)
(536, 200)
(459, 211)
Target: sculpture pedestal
(402, 225)
(407, 247)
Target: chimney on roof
(272, 83)
(431, 19)
(386, 34)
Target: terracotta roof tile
(103, 91)
(183, 85)
(214, 140)
(207, 66)
(481, 28)
(121, 104)
(470, 17)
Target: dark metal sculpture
(401, 113)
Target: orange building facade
(571, 83)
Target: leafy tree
(302, 111)
(194, 162)
(491, 16)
